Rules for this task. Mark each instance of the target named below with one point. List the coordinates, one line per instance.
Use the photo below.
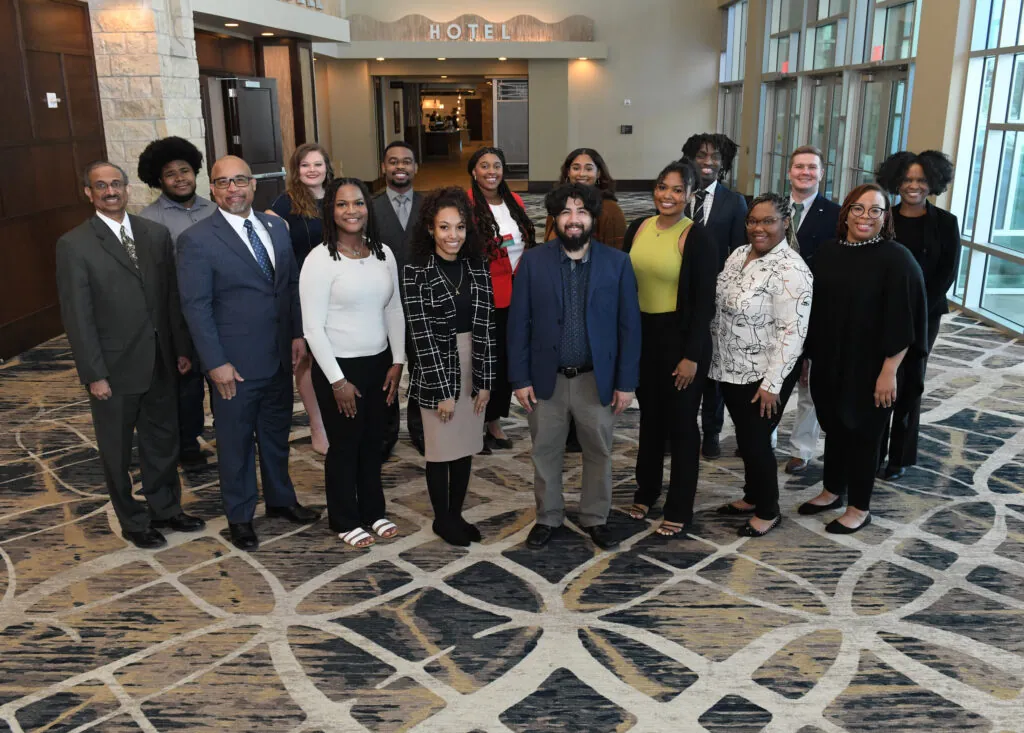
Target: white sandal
(385, 529)
(354, 536)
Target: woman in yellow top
(676, 266)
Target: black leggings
(447, 484)
(501, 392)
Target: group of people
(705, 306)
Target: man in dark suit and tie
(815, 220)
(723, 214)
(240, 296)
(396, 210)
(119, 302)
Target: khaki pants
(549, 424)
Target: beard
(574, 243)
(178, 199)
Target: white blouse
(761, 316)
(508, 229)
(350, 308)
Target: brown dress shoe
(796, 465)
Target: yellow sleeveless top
(656, 260)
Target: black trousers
(712, 413)
(667, 414)
(754, 437)
(191, 415)
(851, 459)
(906, 412)
(501, 394)
(355, 495)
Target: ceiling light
(266, 33)
(441, 58)
(582, 58)
(380, 58)
(231, 25)
(502, 58)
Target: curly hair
(717, 141)
(937, 167)
(555, 200)
(161, 152)
(687, 172)
(605, 183)
(303, 203)
(422, 245)
(370, 232)
(851, 198)
(482, 211)
(784, 210)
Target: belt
(571, 372)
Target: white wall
(352, 137)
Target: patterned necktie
(262, 257)
(403, 210)
(697, 207)
(129, 246)
(798, 215)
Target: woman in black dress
(933, 236)
(868, 316)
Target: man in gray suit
(396, 210)
(119, 300)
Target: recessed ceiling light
(582, 58)
(502, 58)
(441, 58)
(380, 58)
(444, 76)
(266, 33)
(231, 25)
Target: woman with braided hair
(507, 232)
(352, 319)
(762, 308)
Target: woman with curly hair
(450, 316)
(586, 166)
(933, 236)
(507, 232)
(352, 319)
(869, 316)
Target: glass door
(883, 115)
(781, 135)
(828, 127)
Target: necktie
(129, 246)
(798, 215)
(698, 205)
(262, 257)
(403, 210)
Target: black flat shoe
(808, 509)
(539, 536)
(836, 527)
(496, 443)
(748, 531)
(295, 513)
(893, 473)
(733, 511)
(710, 448)
(451, 532)
(602, 536)
(147, 539)
(243, 536)
(180, 523)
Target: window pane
(819, 112)
(1003, 293)
(979, 146)
(982, 13)
(783, 55)
(961, 275)
(839, 6)
(779, 128)
(1016, 90)
(872, 111)
(899, 31)
(992, 37)
(825, 46)
(1008, 221)
(896, 123)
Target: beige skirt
(463, 435)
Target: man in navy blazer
(573, 352)
(240, 296)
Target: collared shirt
(807, 203)
(238, 224)
(574, 348)
(175, 216)
(761, 315)
(115, 226)
(393, 197)
(708, 200)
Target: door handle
(272, 174)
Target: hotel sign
(471, 29)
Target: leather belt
(572, 372)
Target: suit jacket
(116, 314)
(430, 314)
(390, 229)
(233, 312)
(726, 224)
(819, 224)
(535, 320)
(939, 257)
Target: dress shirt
(393, 197)
(574, 348)
(238, 224)
(115, 226)
(708, 201)
(175, 216)
(761, 317)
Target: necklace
(356, 254)
(462, 276)
(846, 243)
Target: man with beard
(574, 352)
(397, 209)
(240, 296)
(171, 165)
(119, 302)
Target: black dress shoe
(893, 473)
(243, 536)
(603, 536)
(710, 448)
(539, 535)
(808, 509)
(836, 527)
(179, 523)
(450, 531)
(295, 513)
(496, 443)
(192, 457)
(748, 531)
(147, 539)
(469, 529)
(733, 511)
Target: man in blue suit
(574, 352)
(240, 297)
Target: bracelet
(339, 387)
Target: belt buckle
(571, 372)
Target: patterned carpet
(914, 624)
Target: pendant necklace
(462, 276)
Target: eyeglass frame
(867, 210)
(117, 185)
(224, 182)
(767, 221)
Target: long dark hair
(717, 141)
(605, 183)
(888, 232)
(330, 226)
(422, 244)
(482, 211)
(784, 210)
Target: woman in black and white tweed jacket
(450, 315)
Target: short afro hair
(937, 167)
(161, 152)
(591, 197)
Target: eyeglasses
(239, 181)
(859, 210)
(768, 221)
(101, 186)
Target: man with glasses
(722, 213)
(240, 296)
(119, 302)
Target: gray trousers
(549, 424)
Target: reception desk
(444, 143)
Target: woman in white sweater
(353, 321)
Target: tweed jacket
(430, 315)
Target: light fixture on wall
(231, 25)
(444, 76)
(380, 58)
(581, 58)
(442, 58)
(266, 33)
(502, 58)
